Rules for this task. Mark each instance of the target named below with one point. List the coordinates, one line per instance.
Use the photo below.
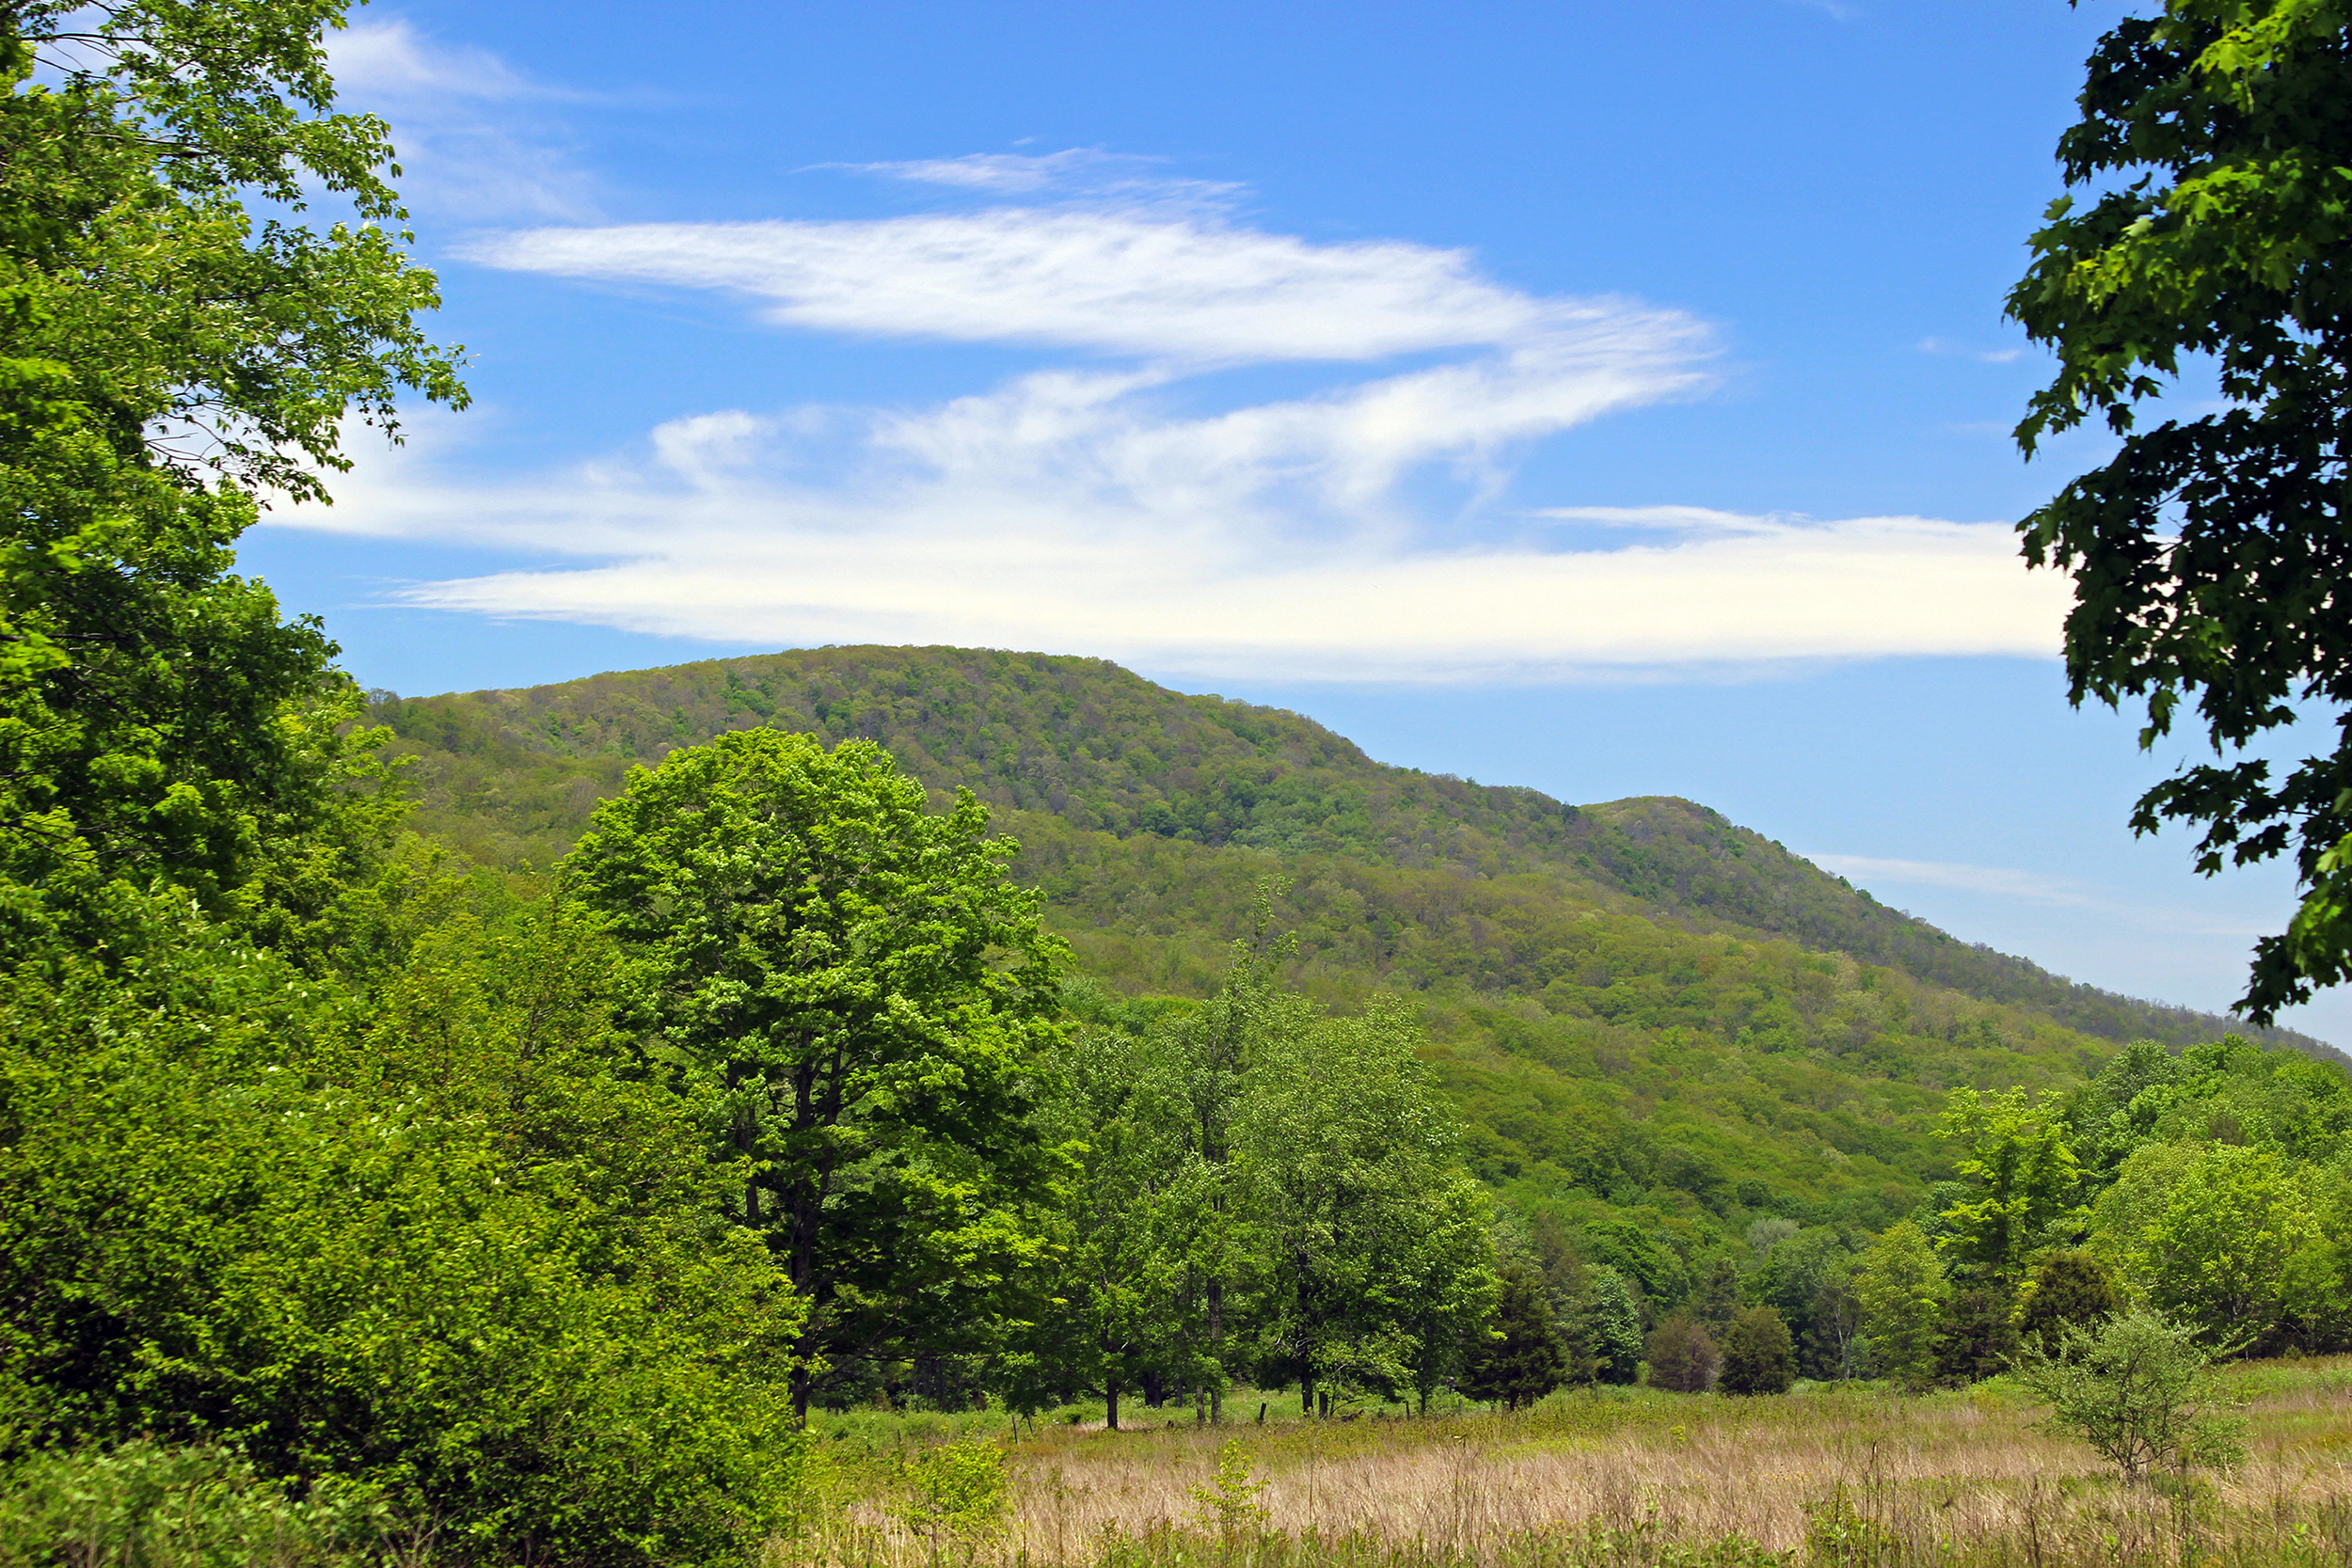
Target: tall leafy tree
(875, 1001)
(1903, 1291)
(2216, 148)
(1356, 1200)
(167, 364)
(2020, 1176)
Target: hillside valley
(1644, 1010)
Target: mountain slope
(1644, 1010)
(514, 774)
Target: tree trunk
(1307, 1393)
(1110, 1405)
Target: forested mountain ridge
(1136, 769)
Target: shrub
(2137, 1389)
(1682, 1356)
(159, 1507)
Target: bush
(1682, 1356)
(2138, 1389)
(1760, 1357)
(159, 1507)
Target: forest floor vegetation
(1849, 1475)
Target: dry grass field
(1849, 1477)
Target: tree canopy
(2215, 157)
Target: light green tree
(1902, 1288)
(875, 1002)
(2215, 1257)
(166, 362)
(1359, 1212)
(2021, 1177)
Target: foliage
(2066, 1289)
(2217, 1250)
(873, 1001)
(2137, 1389)
(956, 1492)
(1901, 1288)
(1760, 1357)
(449, 1247)
(1351, 1186)
(1682, 1356)
(1229, 1503)
(1124, 792)
(2214, 141)
(2021, 1179)
(163, 368)
(143, 1505)
(1977, 1337)
(1604, 1325)
(1521, 1359)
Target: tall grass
(1833, 1478)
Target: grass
(1837, 1476)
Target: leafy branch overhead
(2215, 153)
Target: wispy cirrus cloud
(1112, 504)
(1062, 513)
(1121, 282)
(478, 139)
(2032, 887)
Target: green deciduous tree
(2215, 1256)
(165, 365)
(875, 1002)
(1358, 1208)
(2216, 142)
(2021, 1178)
(1604, 1322)
(1903, 1291)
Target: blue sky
(1608, 398)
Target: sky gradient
(1609, 398)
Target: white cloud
(390, 59)
(1100, 510)
(1067, 512)
(2032, 886)
(475, 136)
(1131, 281)
(1074, 172)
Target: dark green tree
(1760, 1357)
(1682, 1356)
(1977, 1338)
(875, 1002)
(1520, 1360)
(2067, 1287)
(2216, 146)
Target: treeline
(2212, 1188)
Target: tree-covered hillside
(1135, 767)
(1642, 1010)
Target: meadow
(1849, 1475)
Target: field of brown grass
(1849, 1477)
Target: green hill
(1640, 1006)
